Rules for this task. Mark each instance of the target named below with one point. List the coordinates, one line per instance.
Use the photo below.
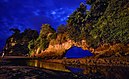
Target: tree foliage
(112, 26)
(17, 43)
(90, 1)
(61, 29)
(106, 22)
(46, 29)
(76, 23)
(47, 33)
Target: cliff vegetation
(104, 30)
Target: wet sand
(38, 69)
(17, 71)
(17, 68)
(25, 72)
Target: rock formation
(17, 44)
(103, 30)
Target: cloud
(60, 15)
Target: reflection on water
(75, 70)
(89, 71)
(46, 65)
(105, 72)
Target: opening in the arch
(77, 52)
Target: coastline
(92, 61)
(26, 72)
(88, 68)
(17, 57)
(89, 61)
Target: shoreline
(27, 72)
(88, 69)
(17, 57)
(90, 61)
(85, 72)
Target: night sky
(32, 14)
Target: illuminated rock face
(77, 52)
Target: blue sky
(32, 14)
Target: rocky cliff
(103, 30)
(59, 50)
(17, 43)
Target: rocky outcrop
(103, 30)
(58, 50)
(105, 50)
(17, 44)
(47, 33)
(108, 50)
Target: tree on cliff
(46, 29)
(112, 25)
(90, 1)
(62, 28)
(97, 10)
(106, 22)
(76, 23)
(17, 43)
(15, 30)
(42, 42)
